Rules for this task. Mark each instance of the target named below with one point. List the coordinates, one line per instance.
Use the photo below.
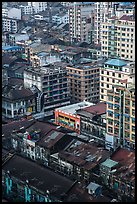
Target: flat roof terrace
(71, 109)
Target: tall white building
(80, 21)
(103, 10)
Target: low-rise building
(118, 173)
(67, 117)
(79, 160)
(93, 122)
(23, 181)
(17, 101)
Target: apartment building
(111, 74)
(11, 13)
(38, 6)
(120, 128)
(10, 25)
(84, 81)
(80, 24)
(103, 10)
(118, 37)
(52, 81)
(27, 10)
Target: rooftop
(80, 194)
(116, 62)
(71, 109)
(109, 163)
(6, 48)
(97, 109)
(16, 93)
(85, 155)
(127, 18)
(93, 186)
(126, 160)
(51, 139)
(38, 176)
(8, 128)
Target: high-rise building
(103, 10)
(120, 128)
(111, 74)
(118, 37)
(84, 81)
(52, 81)
(80, 21)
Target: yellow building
(120, 128)
(111, 74)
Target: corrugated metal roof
(109, 163)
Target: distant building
(14, 13)
(103, 10)
(38, 6)
(61, 18)
(67, 117)
(120, 129)
(79, 26)
(10, 25)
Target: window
(102, 72)
(113, 74)
(110, 98)
(110, 129)
(102, 90)
(110, 106)
(102, 84)
(110, 121)
(133, 112)
(110, 114)
(133, 128)
(102, 97)
(102, 78)
(113, 80)
(107, 85)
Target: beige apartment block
(118, 37)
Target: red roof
(124, 157)
(126, 18)
(98, 109)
